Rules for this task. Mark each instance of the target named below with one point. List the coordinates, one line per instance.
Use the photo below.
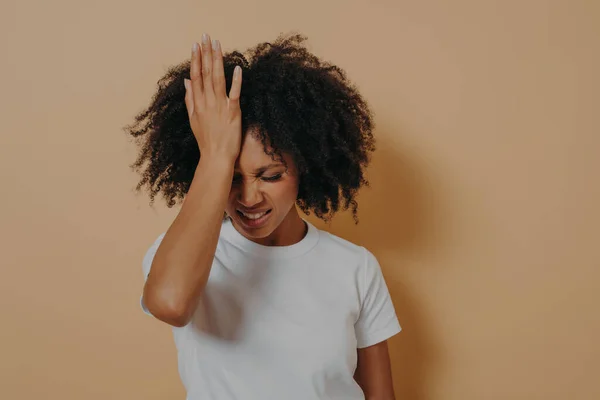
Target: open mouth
(254, 219)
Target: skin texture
(244, 172)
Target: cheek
(284, 192)
(232, 200)
(232, 194)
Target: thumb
(189, 97)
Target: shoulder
(351, 258)
(345, 249)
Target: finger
(196, 75)
(218, 72)
(207, 66)
(189, 97)
(236, 88)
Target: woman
(263, 304)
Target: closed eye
(237, 179)
(273, 178)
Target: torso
(275, 322)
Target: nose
(249, 194)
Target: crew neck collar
(255, 249)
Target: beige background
(483, 209)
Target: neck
(290, 231)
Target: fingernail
(215, 44)
(195, 47)
(237, 71)
(186, 83)
(205, 38)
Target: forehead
(253, 157)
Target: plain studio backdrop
(483, 205)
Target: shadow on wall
(395, 221)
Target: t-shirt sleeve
(147, 264)
(377, 320)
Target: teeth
(253, 216)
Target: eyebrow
(264, 168)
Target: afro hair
(293, 102)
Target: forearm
(184, 258)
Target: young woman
(263, 304)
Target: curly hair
(293, 102)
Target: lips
(253, 215)
(254, 219)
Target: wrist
(217, 165)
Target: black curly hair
(292, 101)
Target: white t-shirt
(285, 322)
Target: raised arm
(182, 263)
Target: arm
(374, 372)
(377, 322)
(182, 263)
(183, 260)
